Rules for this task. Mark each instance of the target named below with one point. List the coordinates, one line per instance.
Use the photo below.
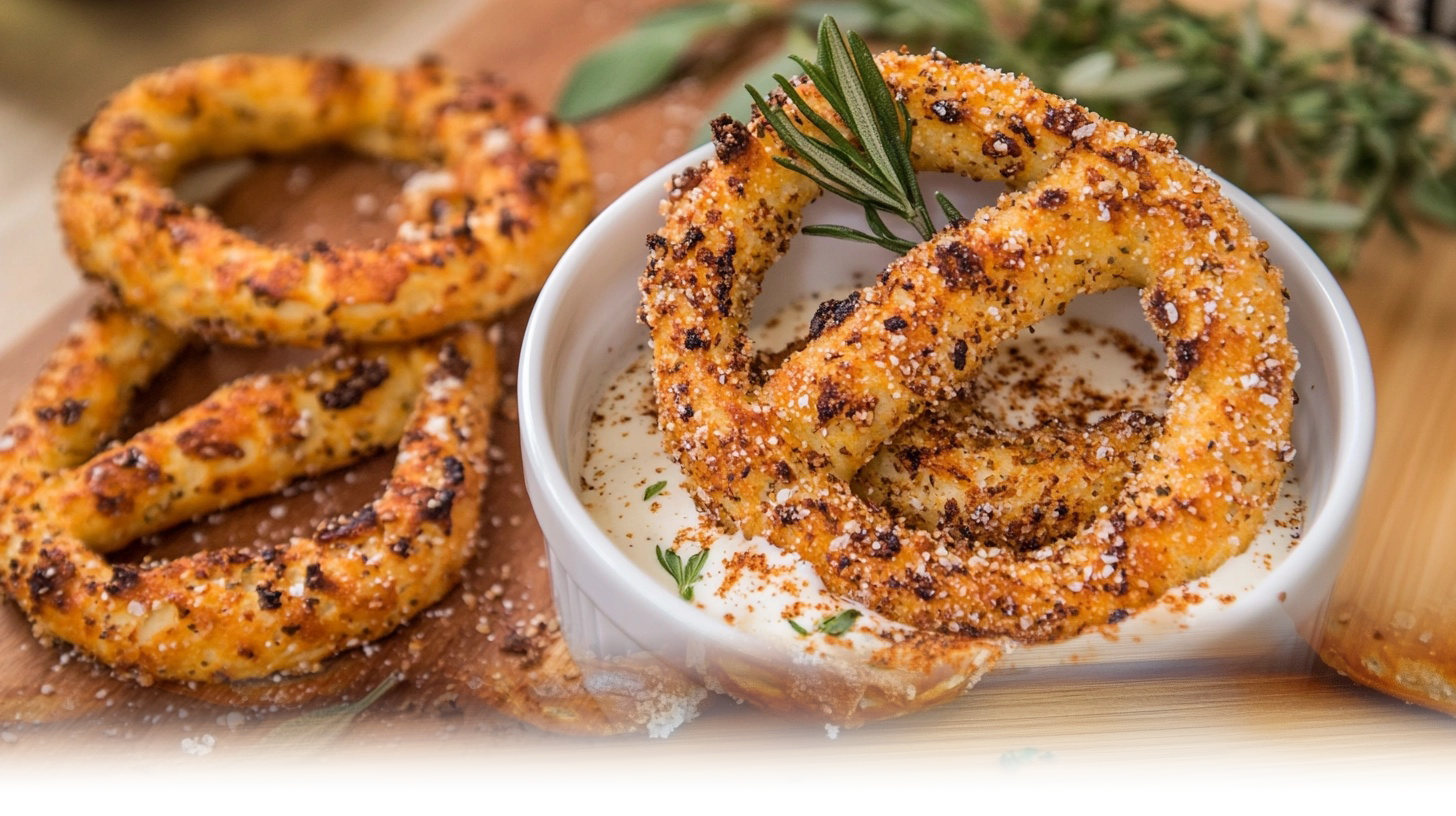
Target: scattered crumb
(202, 746)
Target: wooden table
(1286, 712)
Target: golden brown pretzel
(1094, 205)
(236, 614)
(518, 190)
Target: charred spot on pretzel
(730, 138)
(205, 440)
(960, 266)
(511, 191)
(831, 313)
(362, 377)
(68, 412)
(362, 520)
(947, 110)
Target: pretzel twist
(1093, 205)
(237, 614)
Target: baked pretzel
(236, 614)
(514, 191)
(1093, 205)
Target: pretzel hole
(295, 199)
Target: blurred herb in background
(1334, 140)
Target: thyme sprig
(870, 165)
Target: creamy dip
(1062, 367)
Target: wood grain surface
(1287, 707)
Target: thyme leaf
(839, 624)
(836, 624)
(653, 489)
(684, 573)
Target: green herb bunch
(1335, 140)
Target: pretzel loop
(483, 232)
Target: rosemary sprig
(870, 165)
(685, 574)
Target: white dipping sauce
(1061, 367)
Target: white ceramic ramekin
(584, 331)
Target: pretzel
(236, 614)
(513, 191)
(1093, 205)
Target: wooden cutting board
(475, 662)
